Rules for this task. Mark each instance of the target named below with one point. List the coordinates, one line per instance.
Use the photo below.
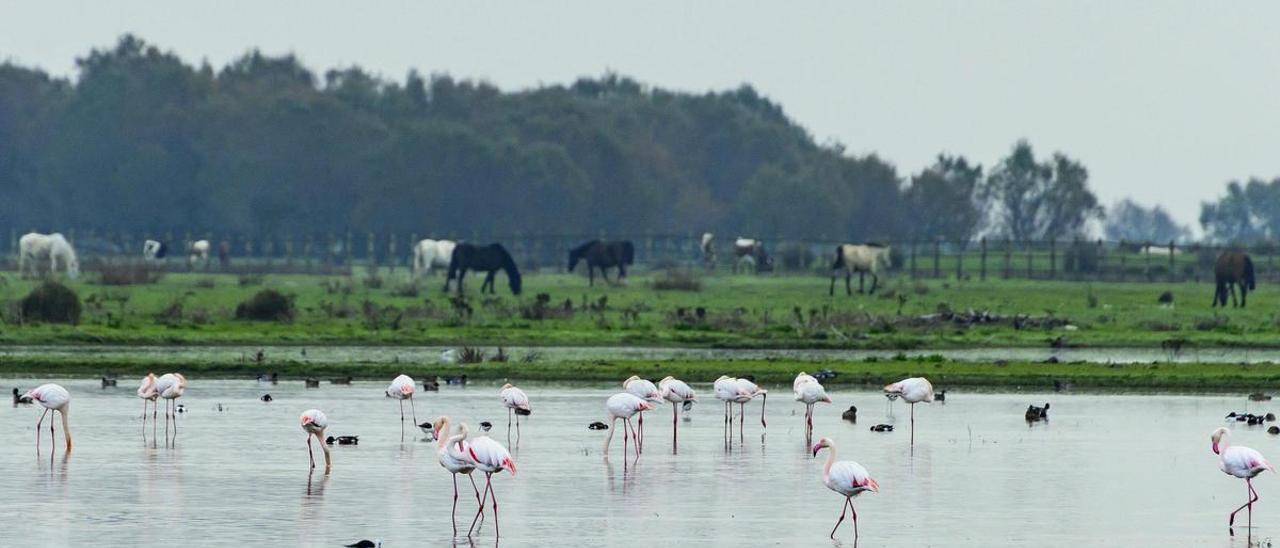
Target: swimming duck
(882, 428)
(343, 440)
(266, 397)
(1034, 413)
(18, 398)
(1259, 396)
(850, 414)
(312, 383)
(597, 426)
(460, 380)
(940, 396)
(485, 425)
(108, 381)
(427, 428)
(431, 385)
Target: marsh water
(1105, 470)
(432, 354)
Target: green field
(738, 311)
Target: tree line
(140, 140)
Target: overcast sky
(1164, 101)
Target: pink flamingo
(676, 392)
(455, 456)
(490, 457)
(847, 478)
(170, 386)
(809, 391)
(147, 391)
(726, 389)
(514, 399)
(644, 390)
(913, 390)
(623, 405)
(313, 423)
(55, 399)
(402, 388)
(747, 391)
(1241, 462)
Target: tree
(1247, 213)
(942, 200)
(1031, 200)
(1131, 222)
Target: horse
(1232, 268)
(197, 251)
(33, 247)
(861, 258)
(708, 251)
(153, 250)
(431, 253)
(750, 253)
(489, 258)
(603, 255)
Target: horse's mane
(509, 266)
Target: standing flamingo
(455, 456)
(913, 390)
(809, 392)
(726, 389)
(847, 478)
(644, 390)
(514, 399)
(623, 405)
(147, 391)
(678, 393)
(1241, 462)
(747, 391)
(170, 386)
(402, 388)
(313, 423)
(55, 399)
(489, 457)
(801, 379)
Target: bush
(51, 302)
(267, 305)
(677, 279)
(127, 274)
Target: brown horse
(1233, 268)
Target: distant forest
(142, 141)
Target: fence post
(1053, 257)
(982, 269)
(1146, 261)
(1172, 273)
(959, 261)
(937, 258)
(1102, 260)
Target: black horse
(603, 255)
(489, 258)
(1232, 268)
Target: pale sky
(1163, 100)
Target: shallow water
(1107, 470)
(431, 354)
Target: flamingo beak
(871, 483)
(815, 450)
(1215, 447)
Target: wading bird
(913, 390)
(1242, 462)
(170, 386)
(623, 405)
(455, 456)
(644, 390)
(147, 391)
(514, 399)
(489, 457)
(847, 478)
(55, 399)
(402, 388)
(678, 393)
(313, 423)
(809, 392)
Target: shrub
(51, 302)
(126, 274)
(267, 305)
(677, 279)
(470, 355)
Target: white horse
(34, 248)
(751, 255)
(431, 253)
(863, 259)
(153, 250)
(198, 251)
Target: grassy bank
(725, 311)
(1028, 376)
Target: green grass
(741, 311)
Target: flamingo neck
(443, 440)
(66, 430)
(831, 459)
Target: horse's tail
(454, 264)
(1248, 273)
(513, 273)
(839, 262)
(628, 253)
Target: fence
(326, 253)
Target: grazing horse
(708, 250)
(750, 253)
(153, 250)
(1233, 268)
(863, 259)
(34, 248)
(431, 253)
(197, 251)
(489, 258)
(603, 255)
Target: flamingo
(747, 391)
(809, 392)
(847, 478)
(55, 399)
(644, 390)
(1241, 462)
(726, 389)
(313, 423)
(455, 456)
(147, 391)
(489, 457)
(623, 405)
(676, 392)
(913, 390)
(402, 388)
(514, 399)
(170, 386)
(802, 379)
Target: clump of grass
(171, 315)
(127, 274)
(470, 354)
(267, 305)
(51, 302)
(379, 317)
(207, 283)
(1161, 325)
(249, 280)
(677, 279)
(1211, 323)
(409, 290)
(920, 288)
(372, 279)
(501, 356)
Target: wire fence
(984, 259)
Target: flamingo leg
(310, 455)
(401, 420)
(742, 413)
(53, 438)
(414, 411)
(855, 511)
(764, 400)
(844, 509)
(40, 422)
(453, 515)
(493, 497)
(476, 489)
(480, 511)
(155, 413)
(508, 424)
(1250, 499)
(640, 433)
(674, 425)
(913, 426)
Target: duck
(431, 385)
(882, 428)
(456, 381)
(366, 543)
(312, 383)
(108, 381)
(341, 381)
(824, 375)
(523, 412)
(597, 426)
(427, 428)
(687, 405)
(1269, 417)
(181, 408)
(19, 398)
(266, 397)
(343, 440)
(850, 414)
(940, 396)
(485, 425)
(1259, 396)
(1273, 430)
(1034, 413)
